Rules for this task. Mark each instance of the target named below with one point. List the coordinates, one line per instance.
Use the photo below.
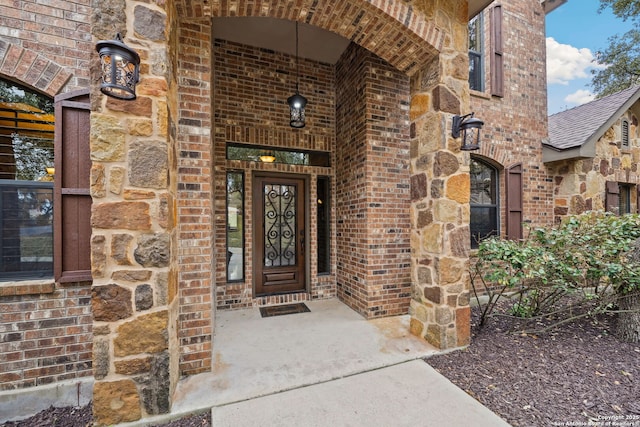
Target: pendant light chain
(297, 61)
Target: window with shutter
(514, 189)
(497, 60)
(72, 200)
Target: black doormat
(281, 310)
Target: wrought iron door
(279, 215)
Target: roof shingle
(575, 127)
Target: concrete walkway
(328, 367)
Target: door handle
(302, 242)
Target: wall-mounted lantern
(120, 66)
(469, 127)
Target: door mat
(281, 310)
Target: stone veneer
(580, 183)
(154, 234)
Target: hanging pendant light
(297, 102)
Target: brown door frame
(288, 279)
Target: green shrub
(581, 263)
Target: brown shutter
(497, 60)
(638, 199)
(612, 197)
(513, 181)
(72, 200)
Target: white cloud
(579, 97)
(566, 63)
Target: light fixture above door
(297, 102)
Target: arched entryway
(381, 113)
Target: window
(625, 199)
(476, 73)
(255, 153)
(484, 201)
(26, 183)
(624, 133)
(324, 225)
(618, 197)
(235, 226)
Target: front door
(279, 261)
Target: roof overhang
(588, 148)
(551, 154)
(476, 6)
(551, 5)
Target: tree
(624, 9)
(622, 55)
(10, 92)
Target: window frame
(243, 243)
(325, 225)
(27, 118)
(494, 206)
(476, 56)
(624, 198)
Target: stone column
(133, 294)
(440, 191)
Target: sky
(575, 32)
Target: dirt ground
(576, 375)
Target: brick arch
(392, 29)
(489, 160)
(31, 69)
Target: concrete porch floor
(329, 366)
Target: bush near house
(588, 264)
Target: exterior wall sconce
(120, 67)
(469, 127)
(297, 102)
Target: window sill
(27, 287)
(478, 94)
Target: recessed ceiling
(280, 35)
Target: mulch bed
(572, 375)
(82, 417)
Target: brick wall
(45, 329)
(251, 86)
(194, 197)
(516, 124)
(45, 338)
(372, 174)
(52, 41)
